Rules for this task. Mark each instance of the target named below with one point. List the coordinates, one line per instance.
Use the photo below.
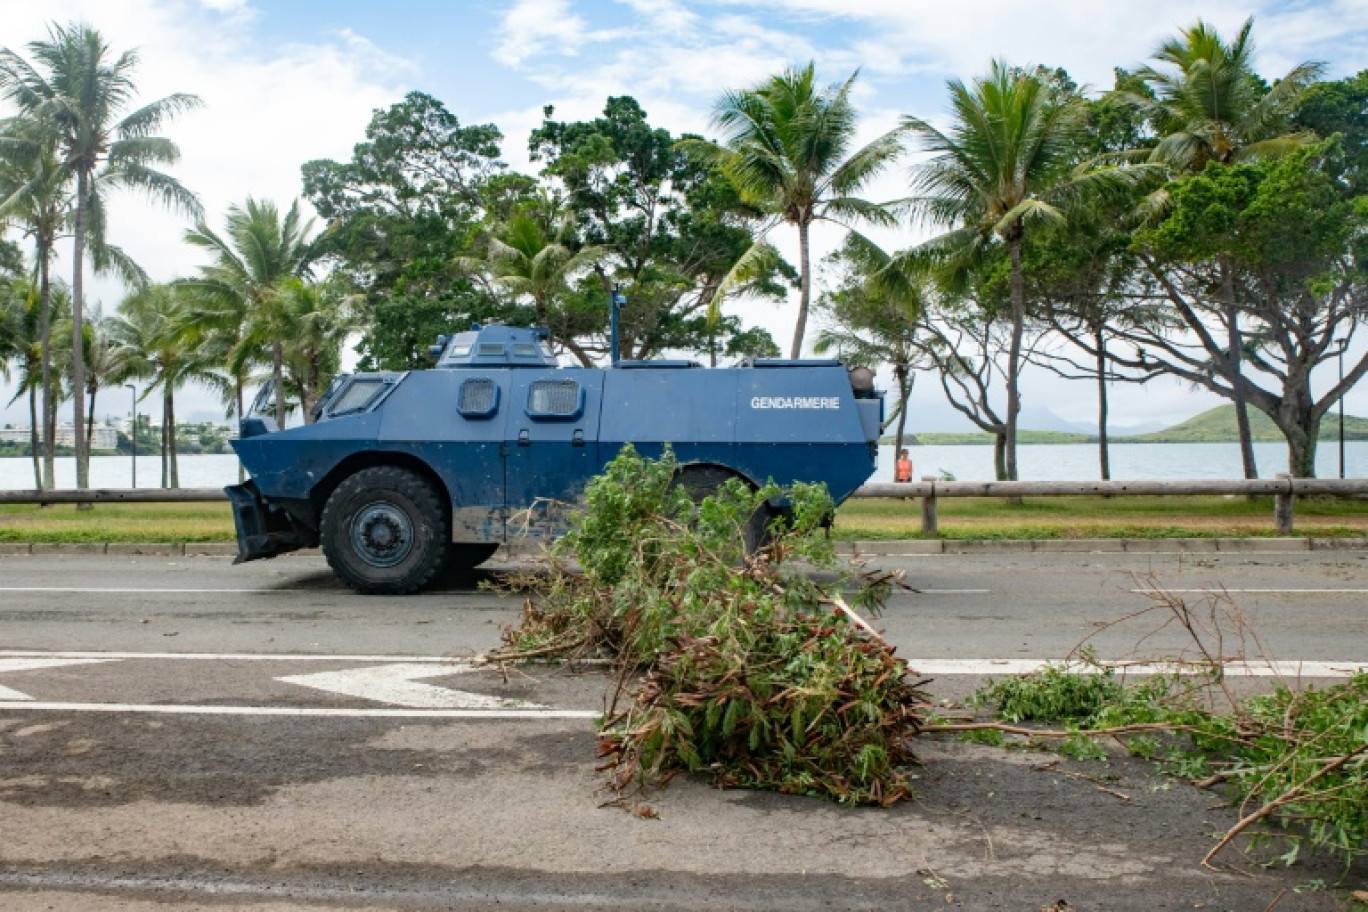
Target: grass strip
(971, 518)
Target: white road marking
(29, 664)
(1235, 669)
(942, 666)
(172, 709)
(1216, 589)
(228, 656)
(131, 590)
(397, 685)
(952, 591)
(140, 591)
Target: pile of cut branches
(1295, 758)
(732, 662)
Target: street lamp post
(134, 448)
(1343, 344)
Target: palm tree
(104, 364)
(36, 193)
(316, 319)
(877, 313)
(787, 148)
(152, 339)
(1006, 162)
(1210, 106)
(80, 91)
(21, 344)
(258, 249)
(534, 257)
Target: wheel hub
(382, 534)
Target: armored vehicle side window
(555, 399)
(479, 398)
(357, 396)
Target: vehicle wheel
(385, 531)
(701, 481)
(466, 556)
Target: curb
(913, 547)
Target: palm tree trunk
(903, 378)
(1103, 456)
(45, 347)
(33, 437)
(242, 470)
(1014, 355)
(278, 375)
(805, 291)
(165, 480)
(77, 328)
(90, 419)
(308, 388)
(171, 436)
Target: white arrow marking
(31, 664)
(398, 686)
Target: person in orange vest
(902, 469)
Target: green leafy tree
(876, 313)
(1081, 272)
(1340, 108)
(400, 214)
(258, 249)
(787, 144)
(1293, 242)
(1007, 162)
(670, 228)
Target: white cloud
(533, 27)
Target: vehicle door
(552, 446)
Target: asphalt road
(179, 731)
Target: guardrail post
(1282, 507)
(930, 521)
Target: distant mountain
(1043, 419)
(1214, 426)
(1218, 426)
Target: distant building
(103, 438)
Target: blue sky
(285, 81)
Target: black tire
(465, 556)
(386, 531)
(703, 480)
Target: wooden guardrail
(113, 495)
(1284, 489)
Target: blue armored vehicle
(404, 473)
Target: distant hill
(1218, 426)
(1214, 426)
